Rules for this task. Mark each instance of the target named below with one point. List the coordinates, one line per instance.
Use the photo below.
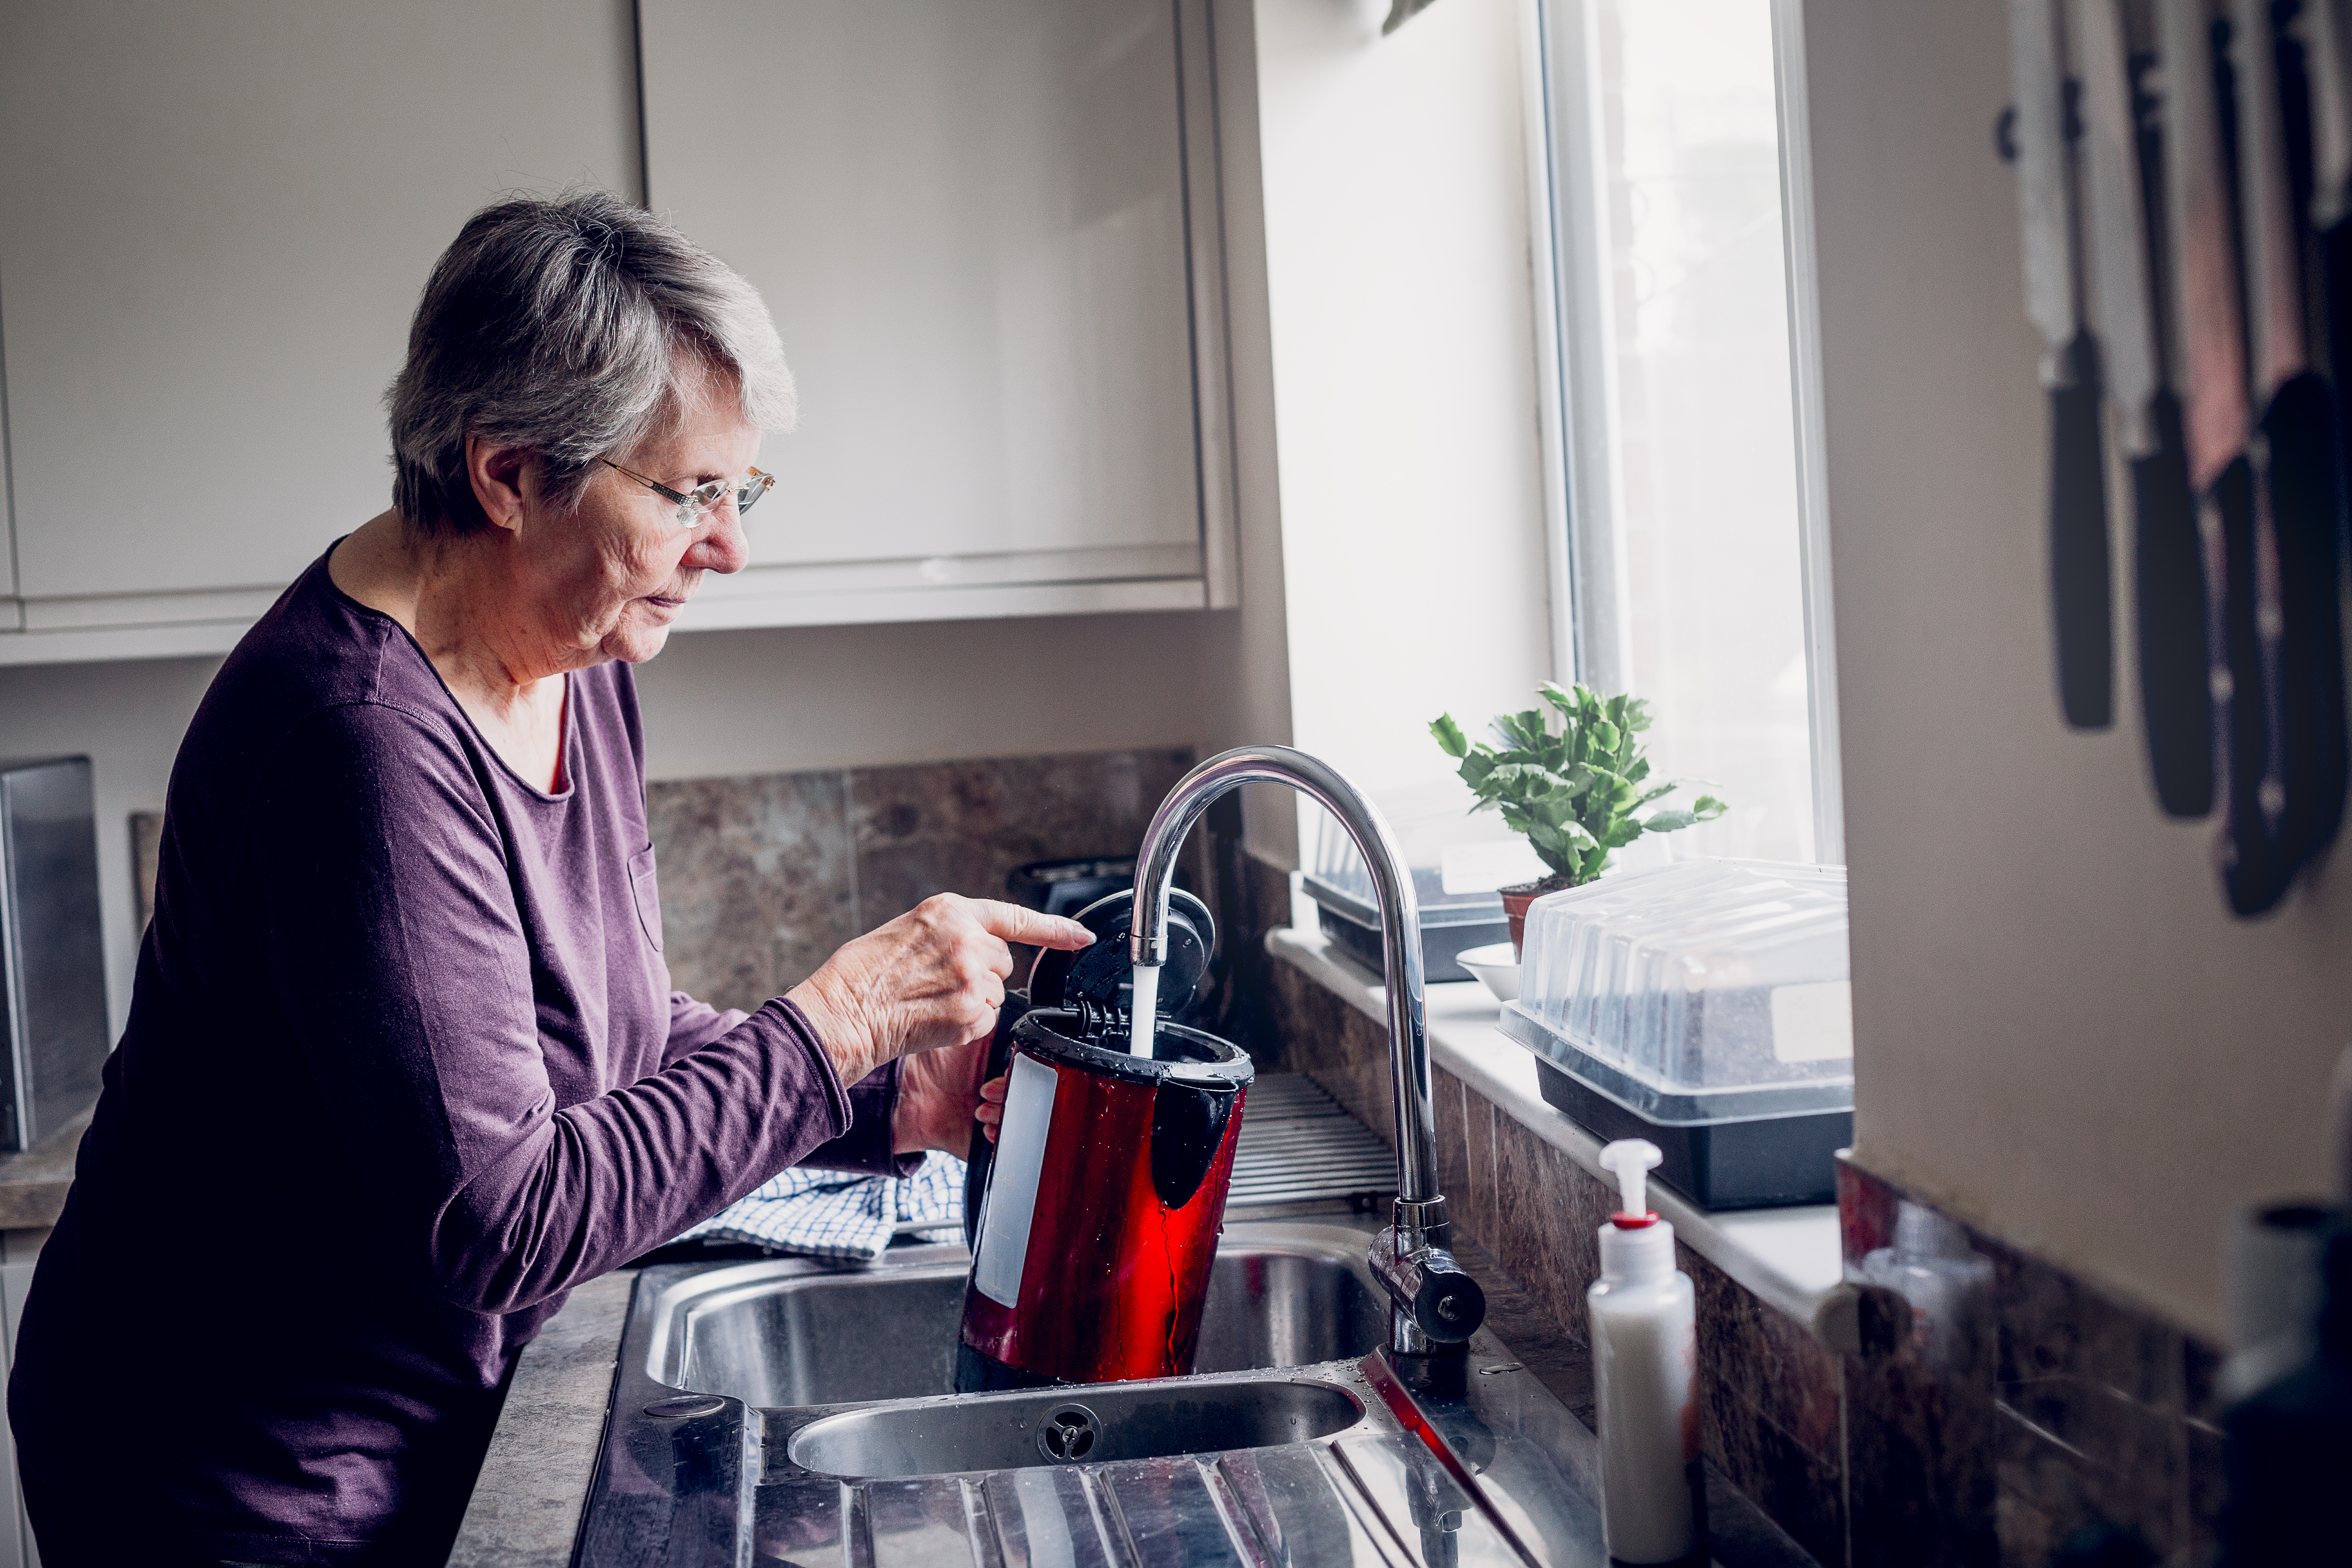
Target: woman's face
(607, 581)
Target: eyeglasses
(691, 504)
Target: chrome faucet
(1434, 1306)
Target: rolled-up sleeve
(866, 1147)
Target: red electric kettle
(1094, 1217)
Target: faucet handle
(1431, 1289)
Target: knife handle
(2080, 593)
(2254, 873)
(2305, 484)
(2176, 685)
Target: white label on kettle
(1013, 1188)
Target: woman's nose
(720, 545)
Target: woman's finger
(1015, 923)
(934, 976)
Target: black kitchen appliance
(1065, 887)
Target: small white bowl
(1497, 969)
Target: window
(1696, 568)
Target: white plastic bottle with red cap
(1645, 1322)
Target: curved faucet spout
(1434, 1306)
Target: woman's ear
(496, 474)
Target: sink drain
(1068, 1434)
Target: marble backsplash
(764, 876)
(2019, 1415)
(761, 878)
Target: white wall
(1404, 370)
(829, 697)
(2060, 1034)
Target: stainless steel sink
(789, 1412)
(775, 1334)
(1099, 1424)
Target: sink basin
(773, 1334)
(1101, 1424)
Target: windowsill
(1788, 1259)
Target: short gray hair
(557, 325)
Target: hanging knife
(2328, 66)
(2306, 426)
(2207, 325)
(2122, 198)
(2070, 368)
(2255, 864)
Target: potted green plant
(1572, 794)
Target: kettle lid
(1103, 975)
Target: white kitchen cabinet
(214, 223)
(987, 232)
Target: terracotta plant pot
(1515, 906)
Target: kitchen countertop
(33, 1184)
(528, 1500)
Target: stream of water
(1146, 1014)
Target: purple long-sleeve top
(403, 1066)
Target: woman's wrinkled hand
(940, 1097)
(933, 978)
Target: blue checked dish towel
(842, 1216)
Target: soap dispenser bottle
(1644, 1335)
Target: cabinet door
(218, 220)
(969, 219)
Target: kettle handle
(983, 1158)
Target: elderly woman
(404, 1064)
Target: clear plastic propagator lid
(1703, 977)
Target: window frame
(1589, 616)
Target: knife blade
(2113, 228)
(2121, 201)
(2080, 591)
(2328, 32)
(2213, 369)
